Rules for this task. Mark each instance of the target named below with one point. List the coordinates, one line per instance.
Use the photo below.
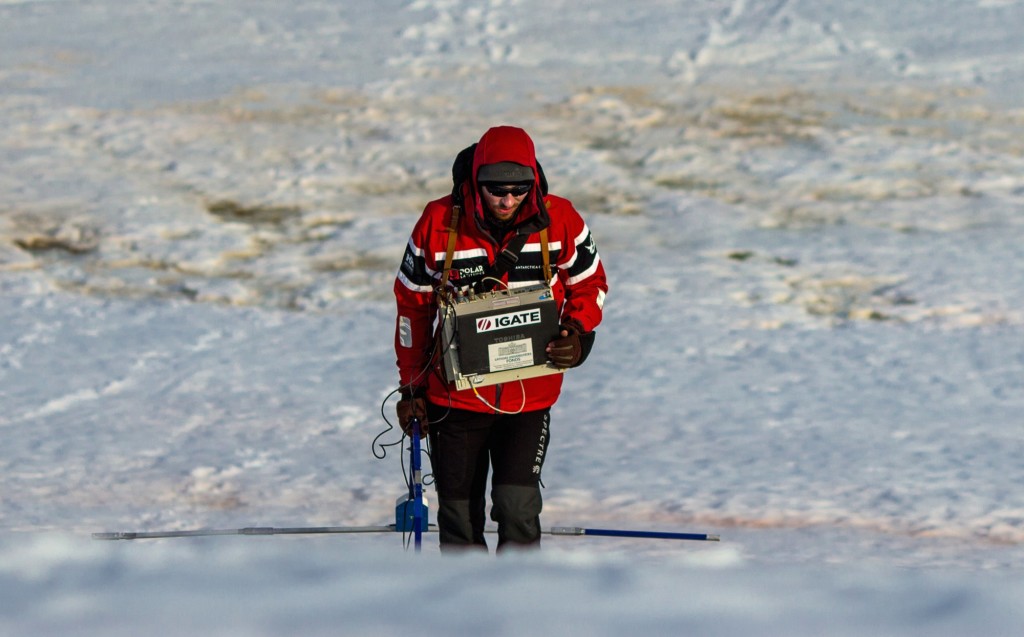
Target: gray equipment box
(497, 337)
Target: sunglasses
(516, 190)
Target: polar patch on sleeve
(404, 331)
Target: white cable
(498, 281)
(522, 388)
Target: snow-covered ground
(811, 216)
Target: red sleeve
(414, 294)
(581, 272)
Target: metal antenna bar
(251, 530)
(388, 528)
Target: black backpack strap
(462, 171)
(506, 260)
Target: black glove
(412, 405)
(572, 347)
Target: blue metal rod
(655, 535)
(417, 487)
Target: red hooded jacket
(579, 281)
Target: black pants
(464, 445)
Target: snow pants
(464, 445)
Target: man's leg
(459, 463)
(518, 445)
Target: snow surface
(810, 213)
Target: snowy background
(811, 216)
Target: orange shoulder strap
(545, 255)
(453, 233)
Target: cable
(522, 389)
(498, 281)
(380, 449)
(382, 453)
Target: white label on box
(510, 354)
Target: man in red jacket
(504, 425)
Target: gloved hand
(567, 350)
(412, 405)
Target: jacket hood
(508, 143)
